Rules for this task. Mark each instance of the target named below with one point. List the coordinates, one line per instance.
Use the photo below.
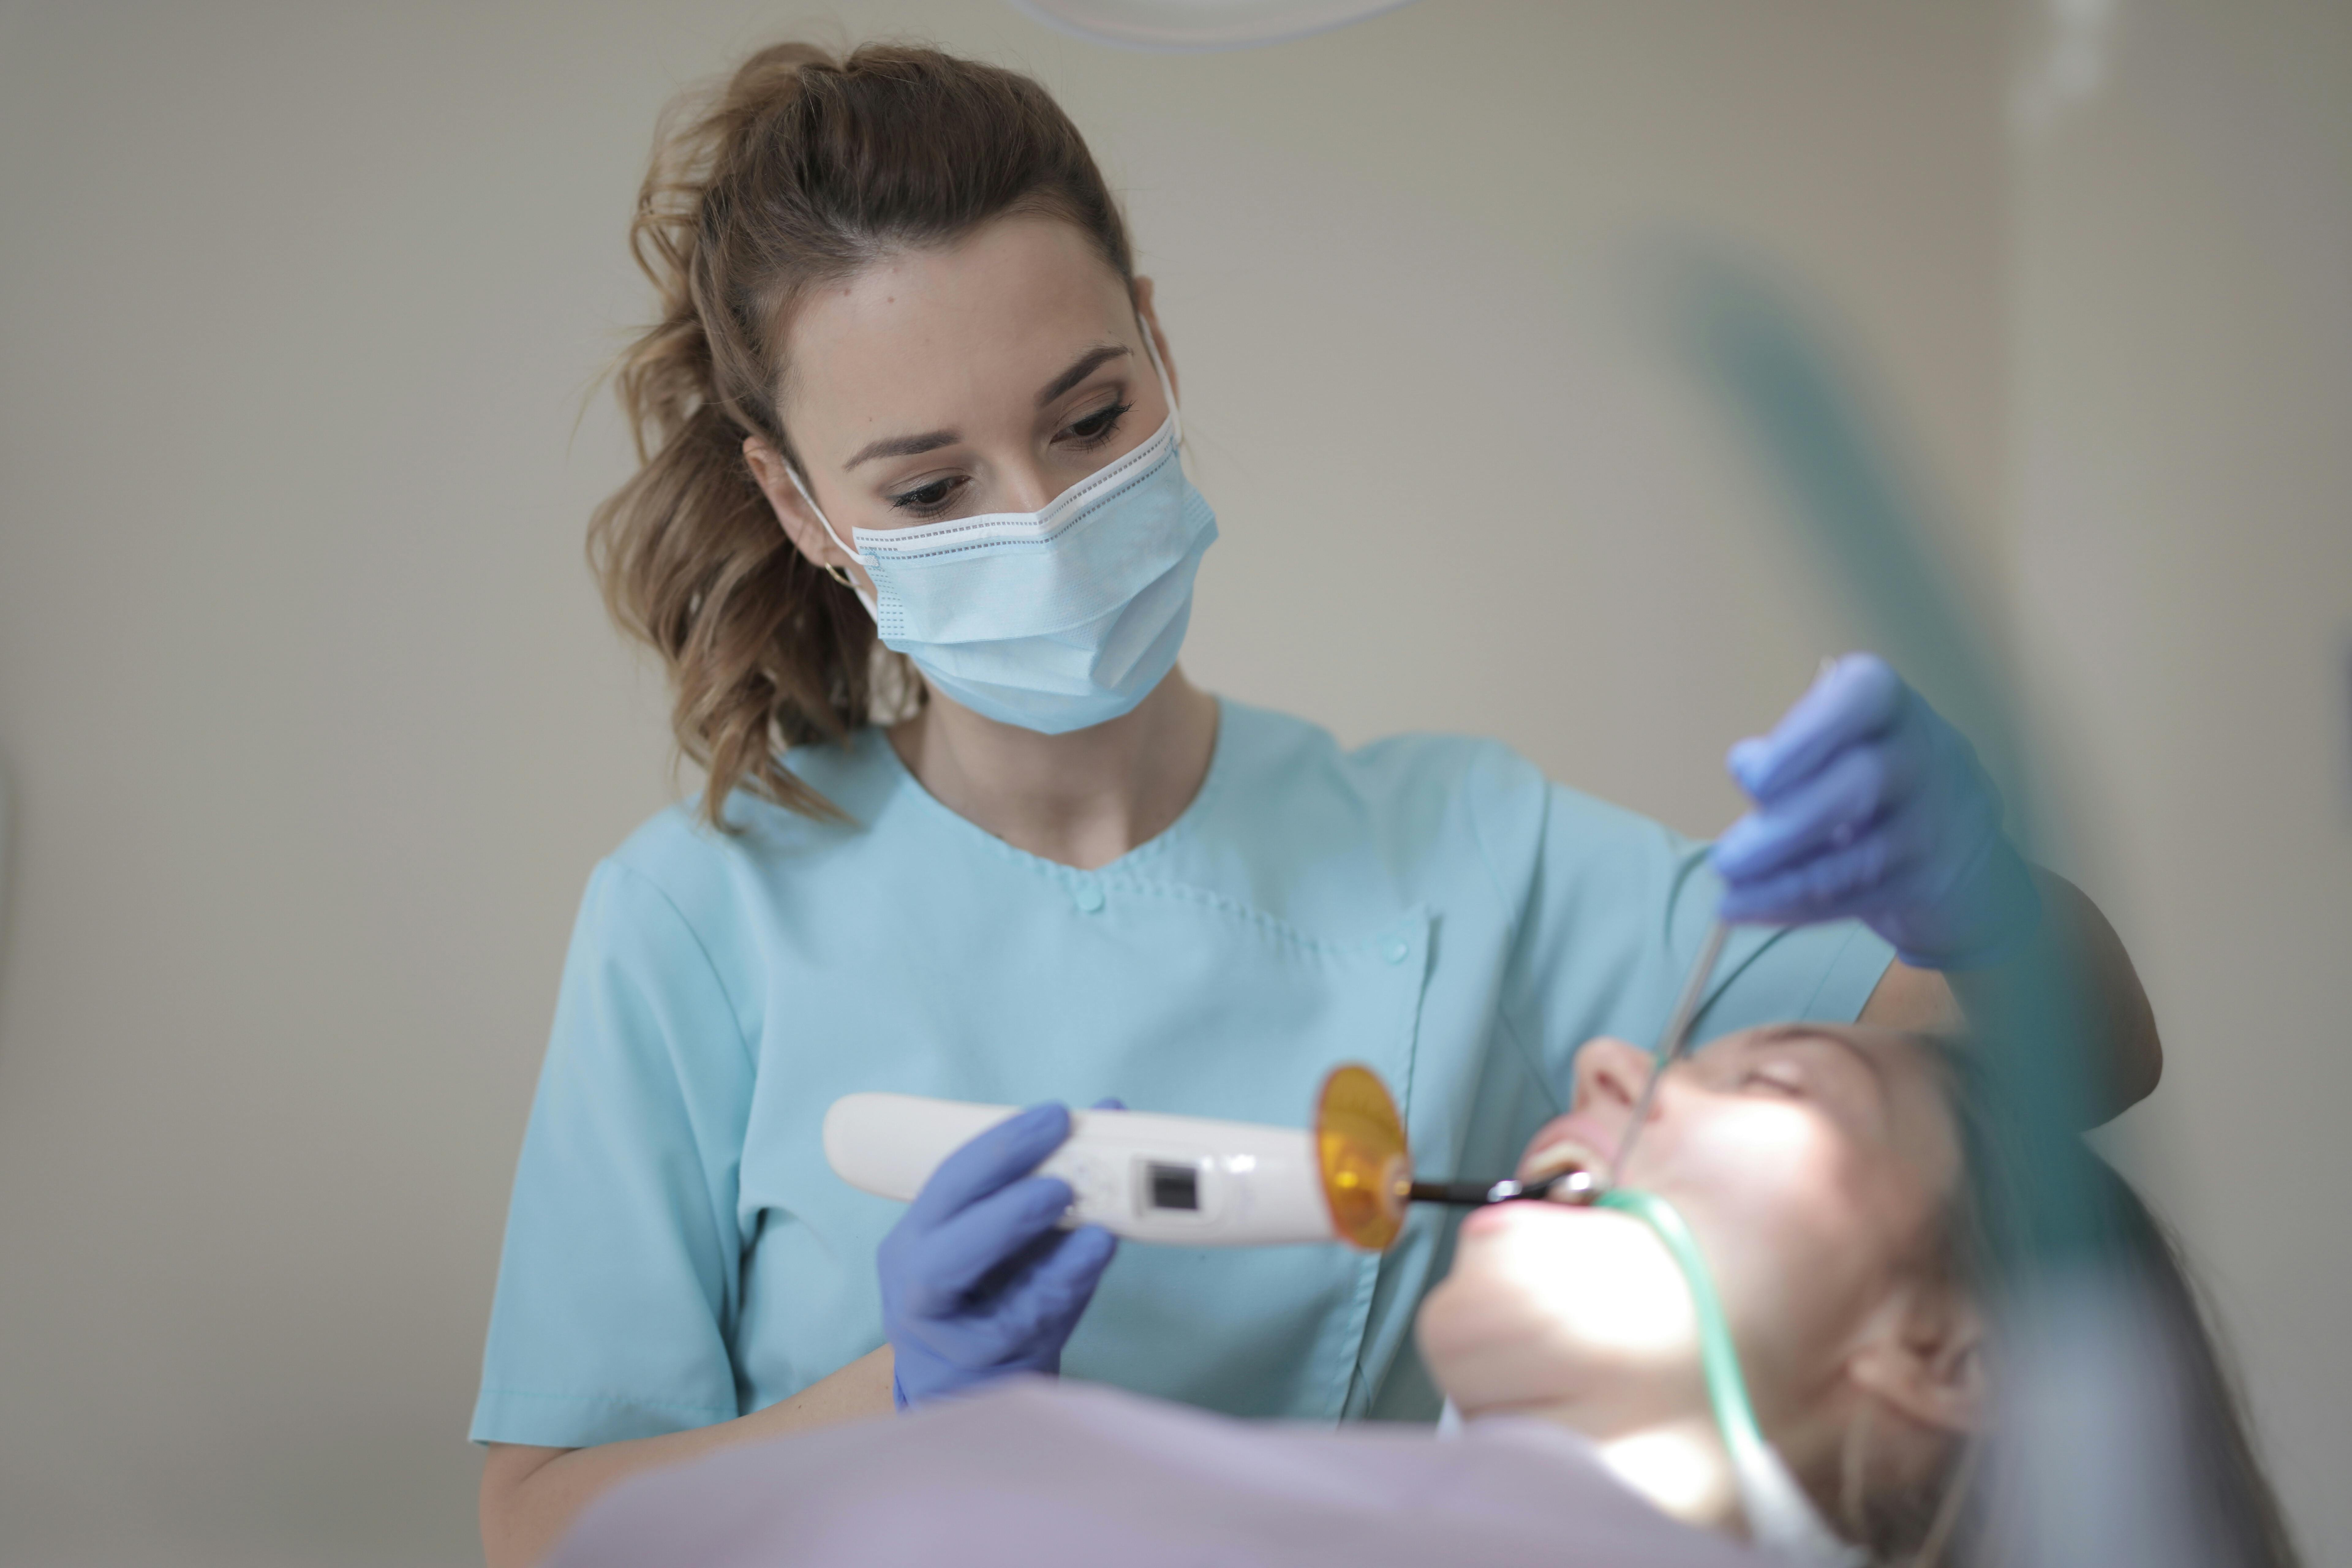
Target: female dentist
(911, 441)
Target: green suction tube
(1727, 1390)
(1780, 1519)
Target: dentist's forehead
(1012, 301)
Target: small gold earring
(840, 575)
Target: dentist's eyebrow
(1086, 366)
(903, 447)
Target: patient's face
(1811, 1164)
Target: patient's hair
(801, 169)
(1997, 1229)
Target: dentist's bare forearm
(2123, 1051)
(531, 1496)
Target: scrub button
(1396, 951)
(1088, 897)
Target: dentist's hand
(1870, 806)
(977, 1283)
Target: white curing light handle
(1184, 1180)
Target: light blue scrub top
(679, 1253)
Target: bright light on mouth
(1584, 1172)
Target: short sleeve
(1611, 909)
(619, 1283)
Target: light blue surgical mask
(1054, 620)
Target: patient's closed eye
(1774, 1078)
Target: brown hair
(801, 169)
(1993, 1238)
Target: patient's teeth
(1564, 1155)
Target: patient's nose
(1609, 1074)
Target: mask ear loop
(1175, 415)
(833, 569)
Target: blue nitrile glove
(977, 1283)
(1870, 806)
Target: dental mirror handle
(1462, 1194)
(1478, 1194)
(1676, 1036)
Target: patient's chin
(1565, 1309)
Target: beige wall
(2181, 433)
(314, 726)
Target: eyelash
(910, 504)
(1106, 423)
(1778, 1085)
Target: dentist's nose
(1025, 487)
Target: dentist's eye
(927, 500)
(1098, 427)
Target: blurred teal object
(2093, 1453)
(1806, 413)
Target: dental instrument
(1673, 1040)
(1580, 1186)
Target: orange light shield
(1360, 1141)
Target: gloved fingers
(1858, 790)
(1043, 1305)
(967, 1331)
(1109, 1102)
(1843, 882)
(1856, 697)
(1897, 866)
(989, 1161)
(960, 1255)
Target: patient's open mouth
(1566, 1170)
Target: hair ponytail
(799, 170)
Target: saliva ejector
(1186, 1180)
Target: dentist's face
(988, 375)
(1812, 1164)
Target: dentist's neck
(1085, 798)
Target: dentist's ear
(1927, 1360)
(800, 523)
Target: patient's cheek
(1548, 1303)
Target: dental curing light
(1188, 1181)
(1184, 1180)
